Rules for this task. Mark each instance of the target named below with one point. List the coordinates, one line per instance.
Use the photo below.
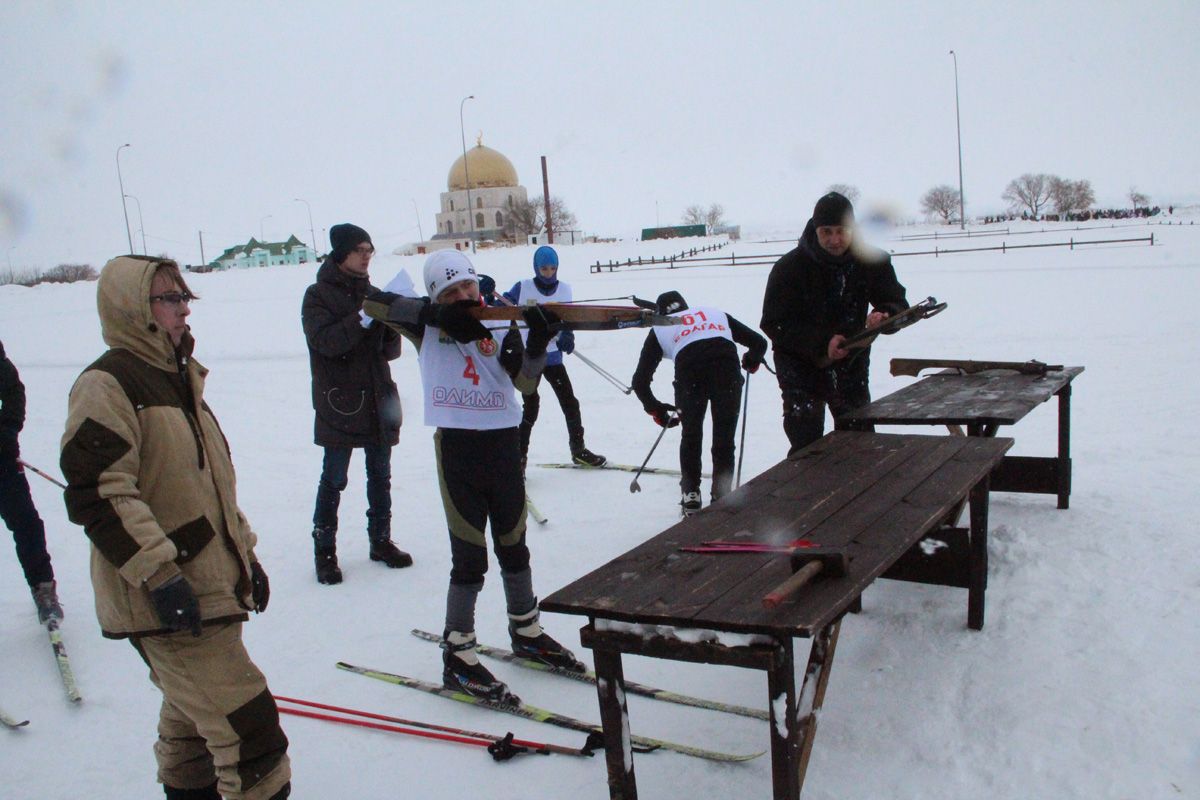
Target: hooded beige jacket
(149, 472)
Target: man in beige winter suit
(173, 567)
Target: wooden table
(875, 495)
(982, 403)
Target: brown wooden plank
(1000, 398)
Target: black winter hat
(670, 302)
(343, 238)
(833, 209)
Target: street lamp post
(262, 237)
(202, 261)
(141, 223)
(311, 232)
(418, 212)
(124, 208)
(962, 215)
(467, 172)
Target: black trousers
(556, 375)
(29, 533)
(481, 482)
(808, 390)
(717, 384)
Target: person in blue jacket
(545, 287)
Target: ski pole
(608, 376)
(633, 487)
(469, 737)
(742, 444)
(37, 471)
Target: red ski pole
(37, 471)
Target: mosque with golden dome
(481, 191)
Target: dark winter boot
(207, 793)
(45, 597)
(325, 555)
(462, 672)
(379, 530)
(530, 641)
(690, 503)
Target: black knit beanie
(670, 302)
(343, 238)
(833, 209)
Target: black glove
(543, 326)
(455, 319)
(512, 351)
(9, 447)
(260, 587)
(751, 363)
(665, 415)
(177, 606)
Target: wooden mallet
(808, 563)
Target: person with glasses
(356, 401)
(16, 502)
(151, 480)
(545, 287)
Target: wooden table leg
(785, 737)
(812, 692)
(979, 554)
(614, 716)
(1063, 467)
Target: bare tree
(715, 216)
(528, 217)
(846, 190)
(941, 201)
(693, 215)
(1137, 199)
(1070, 196)
(1029, 192)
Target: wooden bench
(982, 403)
(874, 495)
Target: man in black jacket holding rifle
(816, 296)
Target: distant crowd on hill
(1082, 216)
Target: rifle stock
(913, 366)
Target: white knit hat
(444, 268)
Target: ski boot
(690, 504)
(587, 458)
(462, 672)
(45, 597)
(530, 641)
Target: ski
(622, 467)
(542, 715)
(532, 510)
(64, 665)
(9, 721)
(590, 677)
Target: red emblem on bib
(487, 347)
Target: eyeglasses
(172, 298)
(365, 250)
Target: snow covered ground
(1083, 684)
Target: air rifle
(913, 366)
(909, 316)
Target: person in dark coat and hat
(817, 294)
(356, 401)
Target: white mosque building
(481, 190)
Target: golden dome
(488, 169)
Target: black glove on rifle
(260, 587)
(543, 326)
(455, 319)
(665, 415)
(177, 606)
(512, 351)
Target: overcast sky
(232, 110)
